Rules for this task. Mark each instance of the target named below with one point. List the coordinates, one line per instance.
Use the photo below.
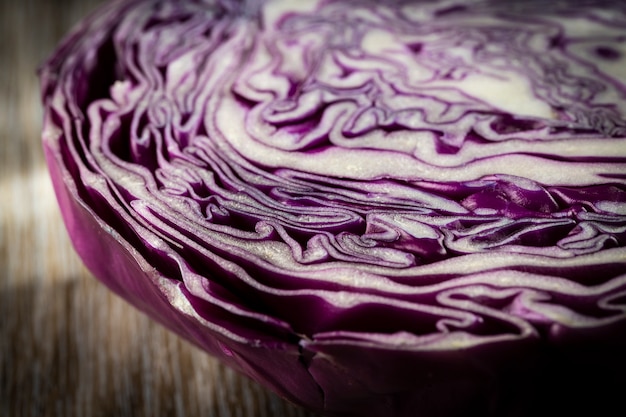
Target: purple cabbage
(409, 208)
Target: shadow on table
(74, 349)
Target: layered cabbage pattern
(333, 179)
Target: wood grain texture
(68, 346)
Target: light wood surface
(69, 347)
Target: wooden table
(69, 347)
